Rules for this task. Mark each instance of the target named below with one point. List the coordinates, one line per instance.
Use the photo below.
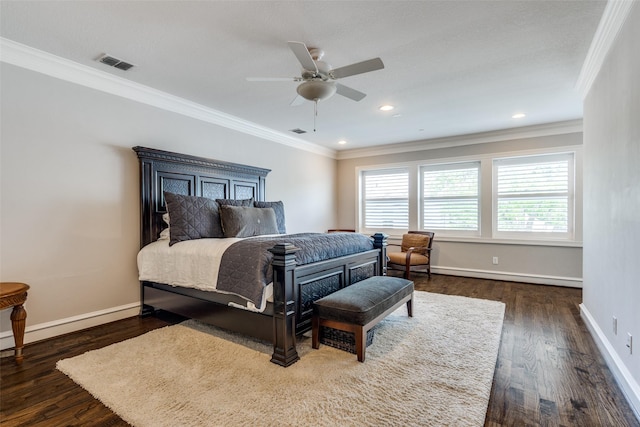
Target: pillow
(234, 202)
(243, 221)
(165, 234)
(278, 209)
(192, 217)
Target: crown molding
(534, 131)
(613, 18)
(42, 62)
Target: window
(525, 197)
(385, 199)
(450, 199)
(534, 195)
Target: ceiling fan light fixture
(316, 90)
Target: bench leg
(315, 332)
(410, 307)
(361, 342)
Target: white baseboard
(630, 387)
(571, 282)
(70, 324)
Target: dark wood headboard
(190, 175)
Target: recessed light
(397, 115)
(387, 107)
(342, 142)
(518, 116)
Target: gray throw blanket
(245, 268)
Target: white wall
(545, 264)
(612, 206)
(69, 217)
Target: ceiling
(451, 67)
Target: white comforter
(189, 264)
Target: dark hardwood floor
(549, 371)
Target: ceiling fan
(319, 79)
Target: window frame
(569, 235)
(451, 165)
(486, 197)
(361, 223)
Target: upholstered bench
(359, 307)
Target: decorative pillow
(234, 202)
(243, 221)
(192, 217)
(278, 209)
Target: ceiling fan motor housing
(322, 73)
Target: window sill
(480, 240)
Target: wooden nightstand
(13, 294)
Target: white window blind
(450, 198)
(385, 196)
(534, 195)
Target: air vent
(114, 62)
(298, 130)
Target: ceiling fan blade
(274, 79)
(298, 100)
(302, 53)
(350, 93)
(357, 68)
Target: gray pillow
(234, 202)
(192, 217)
(243, 221)
(278, 209)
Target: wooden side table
(13, 294)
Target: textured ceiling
(451, 67)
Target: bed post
(380, 242)
(284, 304)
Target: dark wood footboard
(295, 289)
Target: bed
(288, 311)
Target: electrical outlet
(630, 343)
(615, 325)
(495, 260)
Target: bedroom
(69, 209)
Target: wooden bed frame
(294, 287)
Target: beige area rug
(434, 369)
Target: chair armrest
(410, 251)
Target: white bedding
(189, 264)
